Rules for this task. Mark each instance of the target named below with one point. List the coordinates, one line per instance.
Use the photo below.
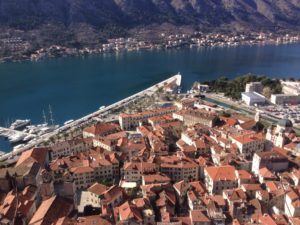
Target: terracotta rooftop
(102, 128)
(128, 212)
(197, 216)
(92, 220)
(247, 138)
(265, 173)
(221, 173)
(97, 188)
(156, 178)
(51, 210)
(39, 155)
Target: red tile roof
(97, 188)
(247, 138)
(221, 173)
(102, 128)
(92, 220)
(51, 210)
(197, 216)
(38, 155)
(129, 212)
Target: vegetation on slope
(233, 88)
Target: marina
(22, 132)
(54, 129)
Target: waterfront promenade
(79, 123)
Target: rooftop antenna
(51, 115)
(44, 117)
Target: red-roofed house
(100, 130)
(39, 155)
(133, 171)
(131, 121)
(292, 202)
(92, 220)
(248, 144)
(220, 178)
(24, 202)
(179, 168)
(198, 218)
(265, 175)
(51, 210)
(272, 160)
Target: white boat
(41, 128)
(68, 122)
(19, 124)
(29, 137)
(16, 138)
(102, 107)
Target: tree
(267, 92)
(225, 114)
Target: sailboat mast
(51, 115)
(44, 117)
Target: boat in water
(16, 138)
(39, 129)
(19, 124)
(68, 122)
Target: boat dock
(86, 119)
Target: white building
(70, 147)
(271, 160)
(254, 87)
(278, 136)
(292, 203)
(252, 98)
(248, 144)
(281, 99)
(220, 178)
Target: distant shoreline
(154, 49)
(56, 51)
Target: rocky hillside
(85, 23)
(255, 14)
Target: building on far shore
(252, 98)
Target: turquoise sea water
(77, 86)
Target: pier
(86, 119)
